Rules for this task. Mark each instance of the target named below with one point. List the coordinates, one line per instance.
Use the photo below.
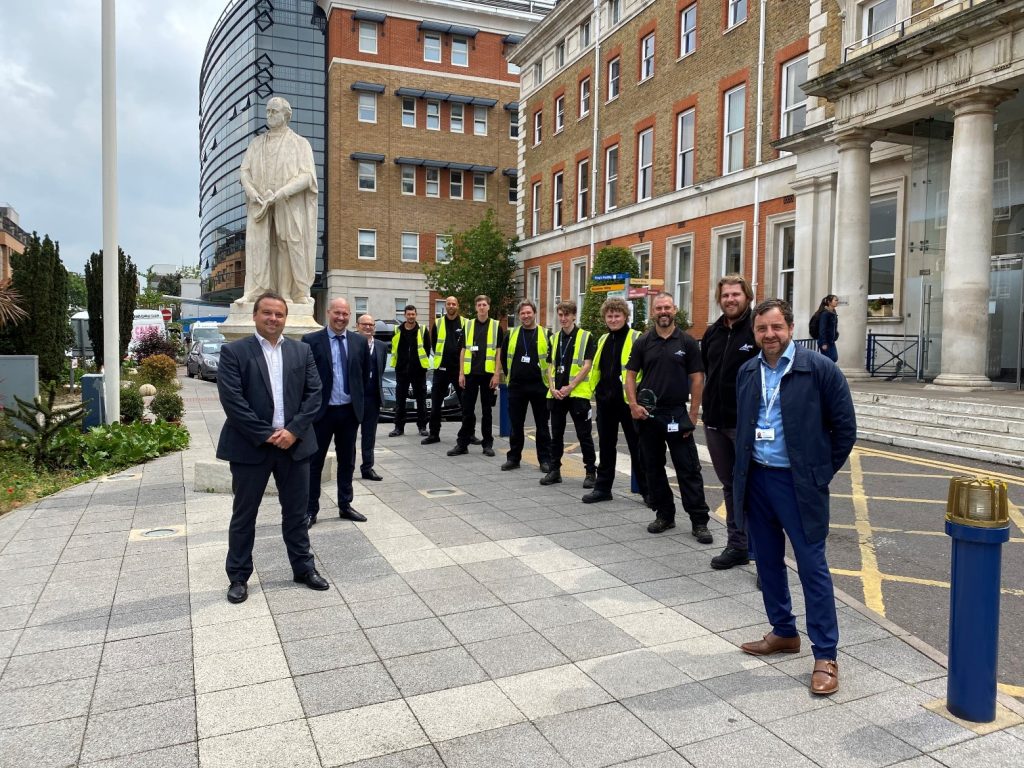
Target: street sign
(646, 281)
(607, 287)
(166, 312)
(637, 293)
(618, 276)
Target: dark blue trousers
(338, 424)
(772, 515)
(368, 430)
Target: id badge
(560, 369)
(474, 348)
(673, 426)
(524, 359)
(764, 435)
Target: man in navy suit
(270, 392)
(342, 360)
(374, 397)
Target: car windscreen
(211, 348)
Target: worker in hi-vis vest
(445, 341)
(410, 358)
(479, 375)
(527, 372)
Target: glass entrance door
(1005, 315)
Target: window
(367, 244)
(361, 304)
(730, 251)
(1001, 190)
(559, 113)
(584, 97)
(554, 292)
(786, 238)
(513, 123)
(513, 69)
(538, 72)
(557, 195)
(688, 32)
(613, 78)
(438, 307)
(684, 149)
(533, 285)
(645, 165)
(614, 11)
(480, 187)
(732, 150)
(647, 57)
(737, 12)
(400, 304)
(584, 34)
(432, 48)
(367, 107)
(579, 280)
(560, 54)
(368, 176)
(410, 246)
(441, 254)
(408, 113)
(582, 190)
(408, 180)
(456, 117)
(882, 249)
(433, 182)
(611, 178)
(455, 185)
(513, 190)
(433, 115)
(643, 261)
(538, 124)
(367, 37)
(460, 52)
(878, 19)
(682, 274)
(535, 207)
(794, 101)
(480, 120)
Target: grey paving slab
(897, 659)
(464, 710)
(52, 637)
(219, 671)
(721, 613)
(432, 579)
(15, 616)
(148, 650)
(686, 713)
(467, 597)
(138, 729)
(485, 624)
(589, 639)
(124, 688)
(554, 611)
(586, 579)
(498, 570)
(178, 756)
(996, 750)
(742, 748)
(284, 745)
(764, 693)
(46, 745)
(901, 713)
(314, 622)
(600, 736)
(252, 706)
(51, 667)
(366, 732)
(392, 610)
(335, 690)
(633, 672)
(410, 637)
(552, 691)
(660, 760)
(45, 703)
(419, 757)
(514, 746)
(317, 654)
(525, 588)
(707, 656)
(434, 671)
(639, 571)
(658, 626)
(514, 654)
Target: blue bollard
(504, 420)
(974, 609)
(94, 399)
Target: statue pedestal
(239, 323)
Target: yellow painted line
(878, 529)
(720, 512)
(892, 498)
(1015, 516)
(870, 578)
(913, 580)
(905, 475)
(959, 468)
(1012, 690)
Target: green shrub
(158, 370)
(38, 424)
(151, 343)
(167, 405)
(131, 405)
(116, 446)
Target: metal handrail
(904, 26)
(892, 355)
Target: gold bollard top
(977, 501)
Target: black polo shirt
(666, 365)
(408, 357)
(452, 343)
(479, 357)
(523, 375)
(609, 385)
(562, 355)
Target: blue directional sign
(617, 276)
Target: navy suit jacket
(379, 361)
(358, 368)
(820, 428)
(243, 383)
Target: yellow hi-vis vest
(627, 349)
(420, 348)
(542, 352)
(442, 330)
(584, 389)
(492, 346)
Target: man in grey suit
(374, 397)
(342, 360)
(270, 392)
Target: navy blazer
(243, 383)
(358, 368)
(380, 354)
(820, 428)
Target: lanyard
(522, 338)
(770, 404)
(563, 347)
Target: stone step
(962, 450)
(940, 417)
(972, 405)
(975, 437)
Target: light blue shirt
(338, 396)
(772, 453)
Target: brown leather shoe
(825, 677)
(772, 643)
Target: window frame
(614, 83)
(559, 114)
(733, 12)
(437, 114)
(401, 302)
(728, 138)
(614, 11)
(555, 295)
(436, 172)
(579, 281)
(407, 113)
(513, 123)
(360, 305)
(865, 10)
(452, 118)
(452, 184)
(586, 38)
(560, 54)
(647, 59)
(644, 172)
(366, 102)
(479, 183)
(557, 199)
(535, 206)
(411, 176)
(416, 243)
(513, 190)
(430, 36)
(611, 182)
(533, 285)
(685, 155)
(441, 253)
(366, 169)
(687, 34)
(363, 27)
(672, 247)
(584, 92)
(479, 117)
(460, 42)
(371, 245)
(786, 110)
(538, 126)
(583, 189)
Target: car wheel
(188, 370)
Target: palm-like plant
(10, 311)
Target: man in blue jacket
(795, 427)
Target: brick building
(12, 240)
(641, 130)
(422, 126)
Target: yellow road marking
(1012, 479)
(1012, 690)
(904, 475)
(871, 577)
(913, 580)
(892, 498)
(1015, 515)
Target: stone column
(965, 285)
(853, 209)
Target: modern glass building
(258, 49)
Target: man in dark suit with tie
(374, 397)
(342, 359)
(270, 392)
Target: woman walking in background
(828, 327)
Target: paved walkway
(496, 623)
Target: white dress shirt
(275, 364)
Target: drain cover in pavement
(436, 493)
(156, 534)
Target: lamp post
(111, 335)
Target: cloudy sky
(51, 130)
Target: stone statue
(279, 178)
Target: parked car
(203, 359)
(451, 408)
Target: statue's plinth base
(215, 476)
(240, 324)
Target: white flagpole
(111, 335)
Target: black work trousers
(477, 384)
(611, 414)
(439, 391)
(579, 410)
(368, 430)
(417, 379)
(654, 440)
(519, 399)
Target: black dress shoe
(474, 440)
(596, 496)
(545, 467)
(510, 464)
(424, 433)
(458, 450)
(347, 513)
(238, 592)
(488, 451)
(371, 475)
(396, 432)
(590, 479)
(552, 477)
(730, 557)
(660, 525)
(313, 580)
(430, 439)
(702, 534)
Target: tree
(150, 298)
(482, 260)
(611, 260)
(169, 284)
(78, 298)
(41, 282)
(128, 290)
